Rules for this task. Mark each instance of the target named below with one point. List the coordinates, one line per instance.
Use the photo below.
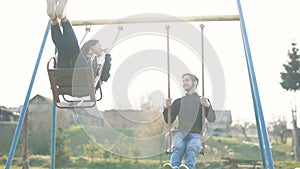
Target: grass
(219, 147)
(125, 131)
(234, 148)
(147, 164)
(77, 138)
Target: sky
(272, 27)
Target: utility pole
(25, 163)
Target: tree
(291, 78)
(92, 149)
(152, 106)
(106, 155)
(63, 152)
(280, 130)
(136, 151)
(119, 147)
(291, 82)
(244, 127)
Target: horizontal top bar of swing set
(157, 20)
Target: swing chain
(203, 108)
(87, 30)
(120, 28)
(168, 136)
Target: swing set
(80, 83)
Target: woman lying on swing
(69, 55)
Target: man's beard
(189, 88)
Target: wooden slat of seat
(69, 72)
(73, 82)
(69, 81)
(76, 104)
(74, 91)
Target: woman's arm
(106, 68)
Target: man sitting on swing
(69, 55)
(187, 139)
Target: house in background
(221, 127)
(40, 109)
(38, 106)
(40, 112)
(8, 114)
(128, 118)
(133, 118)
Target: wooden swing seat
(73, 87)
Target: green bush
(6, 135)
(39, 142)
(77, 138)
(39, 161)
(63, 152)
(92, 149)
(286, 164)
(82, 161)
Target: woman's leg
(71, 47)
(56, 34)
(68, 31)
(57, 38)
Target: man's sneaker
(61, 9)
(51, 6)
(168, 166)
(183, 166)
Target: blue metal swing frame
(265, 150)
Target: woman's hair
(87, 46)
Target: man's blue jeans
(188, 144)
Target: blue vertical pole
(258, 123)
(261, 126)
(53, 136)
(25, 105)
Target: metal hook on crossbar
(87, 30)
